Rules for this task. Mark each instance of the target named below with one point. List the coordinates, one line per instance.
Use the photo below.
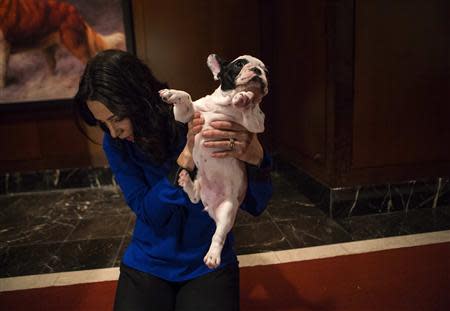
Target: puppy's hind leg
(50, 57)
(192, 188)
(225, 215)
(76, 37)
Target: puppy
(221, 184)
(47, 25)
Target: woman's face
(118, 128)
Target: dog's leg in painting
(50, 58)
(224, 216)
(4, 57)
(183, 108)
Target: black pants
(215, 291)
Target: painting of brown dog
(44, 44)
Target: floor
(73, 229)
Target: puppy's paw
(184, 179)
(242, 99)
(174, 97)
(190, 187)
(212, 259)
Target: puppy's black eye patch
(240, 63)
(223, 63)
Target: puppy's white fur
(221, 183)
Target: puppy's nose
(256, 70)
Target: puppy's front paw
(174, 97)
(242, 99)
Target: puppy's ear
(215, 65)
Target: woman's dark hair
(127, 87)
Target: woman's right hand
(194, 127)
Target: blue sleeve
(151, 204)
(259, 190)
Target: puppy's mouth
(260, 82)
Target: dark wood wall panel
(20, 141)
(41, 140)
(299, 74)
(301, 77)
(401, 106)
(371, 81)
(60, 138)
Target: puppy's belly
(221, 180)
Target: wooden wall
(402, 104)
(43, 139)
(362, 89)
(299, 78)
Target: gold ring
(231, 144)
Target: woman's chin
(130, 138)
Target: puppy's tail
(97, 42)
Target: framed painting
(43, 56)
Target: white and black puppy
(221, 183)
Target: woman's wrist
(185, 159)
(254, 153)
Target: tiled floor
(89, 228)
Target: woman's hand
(194, 127)
(233, 140)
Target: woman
(163, 268)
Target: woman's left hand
(233, 140)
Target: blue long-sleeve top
(172, 235)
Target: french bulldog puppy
(221, 183)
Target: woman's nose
(112, 130)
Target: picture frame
(32, 85)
